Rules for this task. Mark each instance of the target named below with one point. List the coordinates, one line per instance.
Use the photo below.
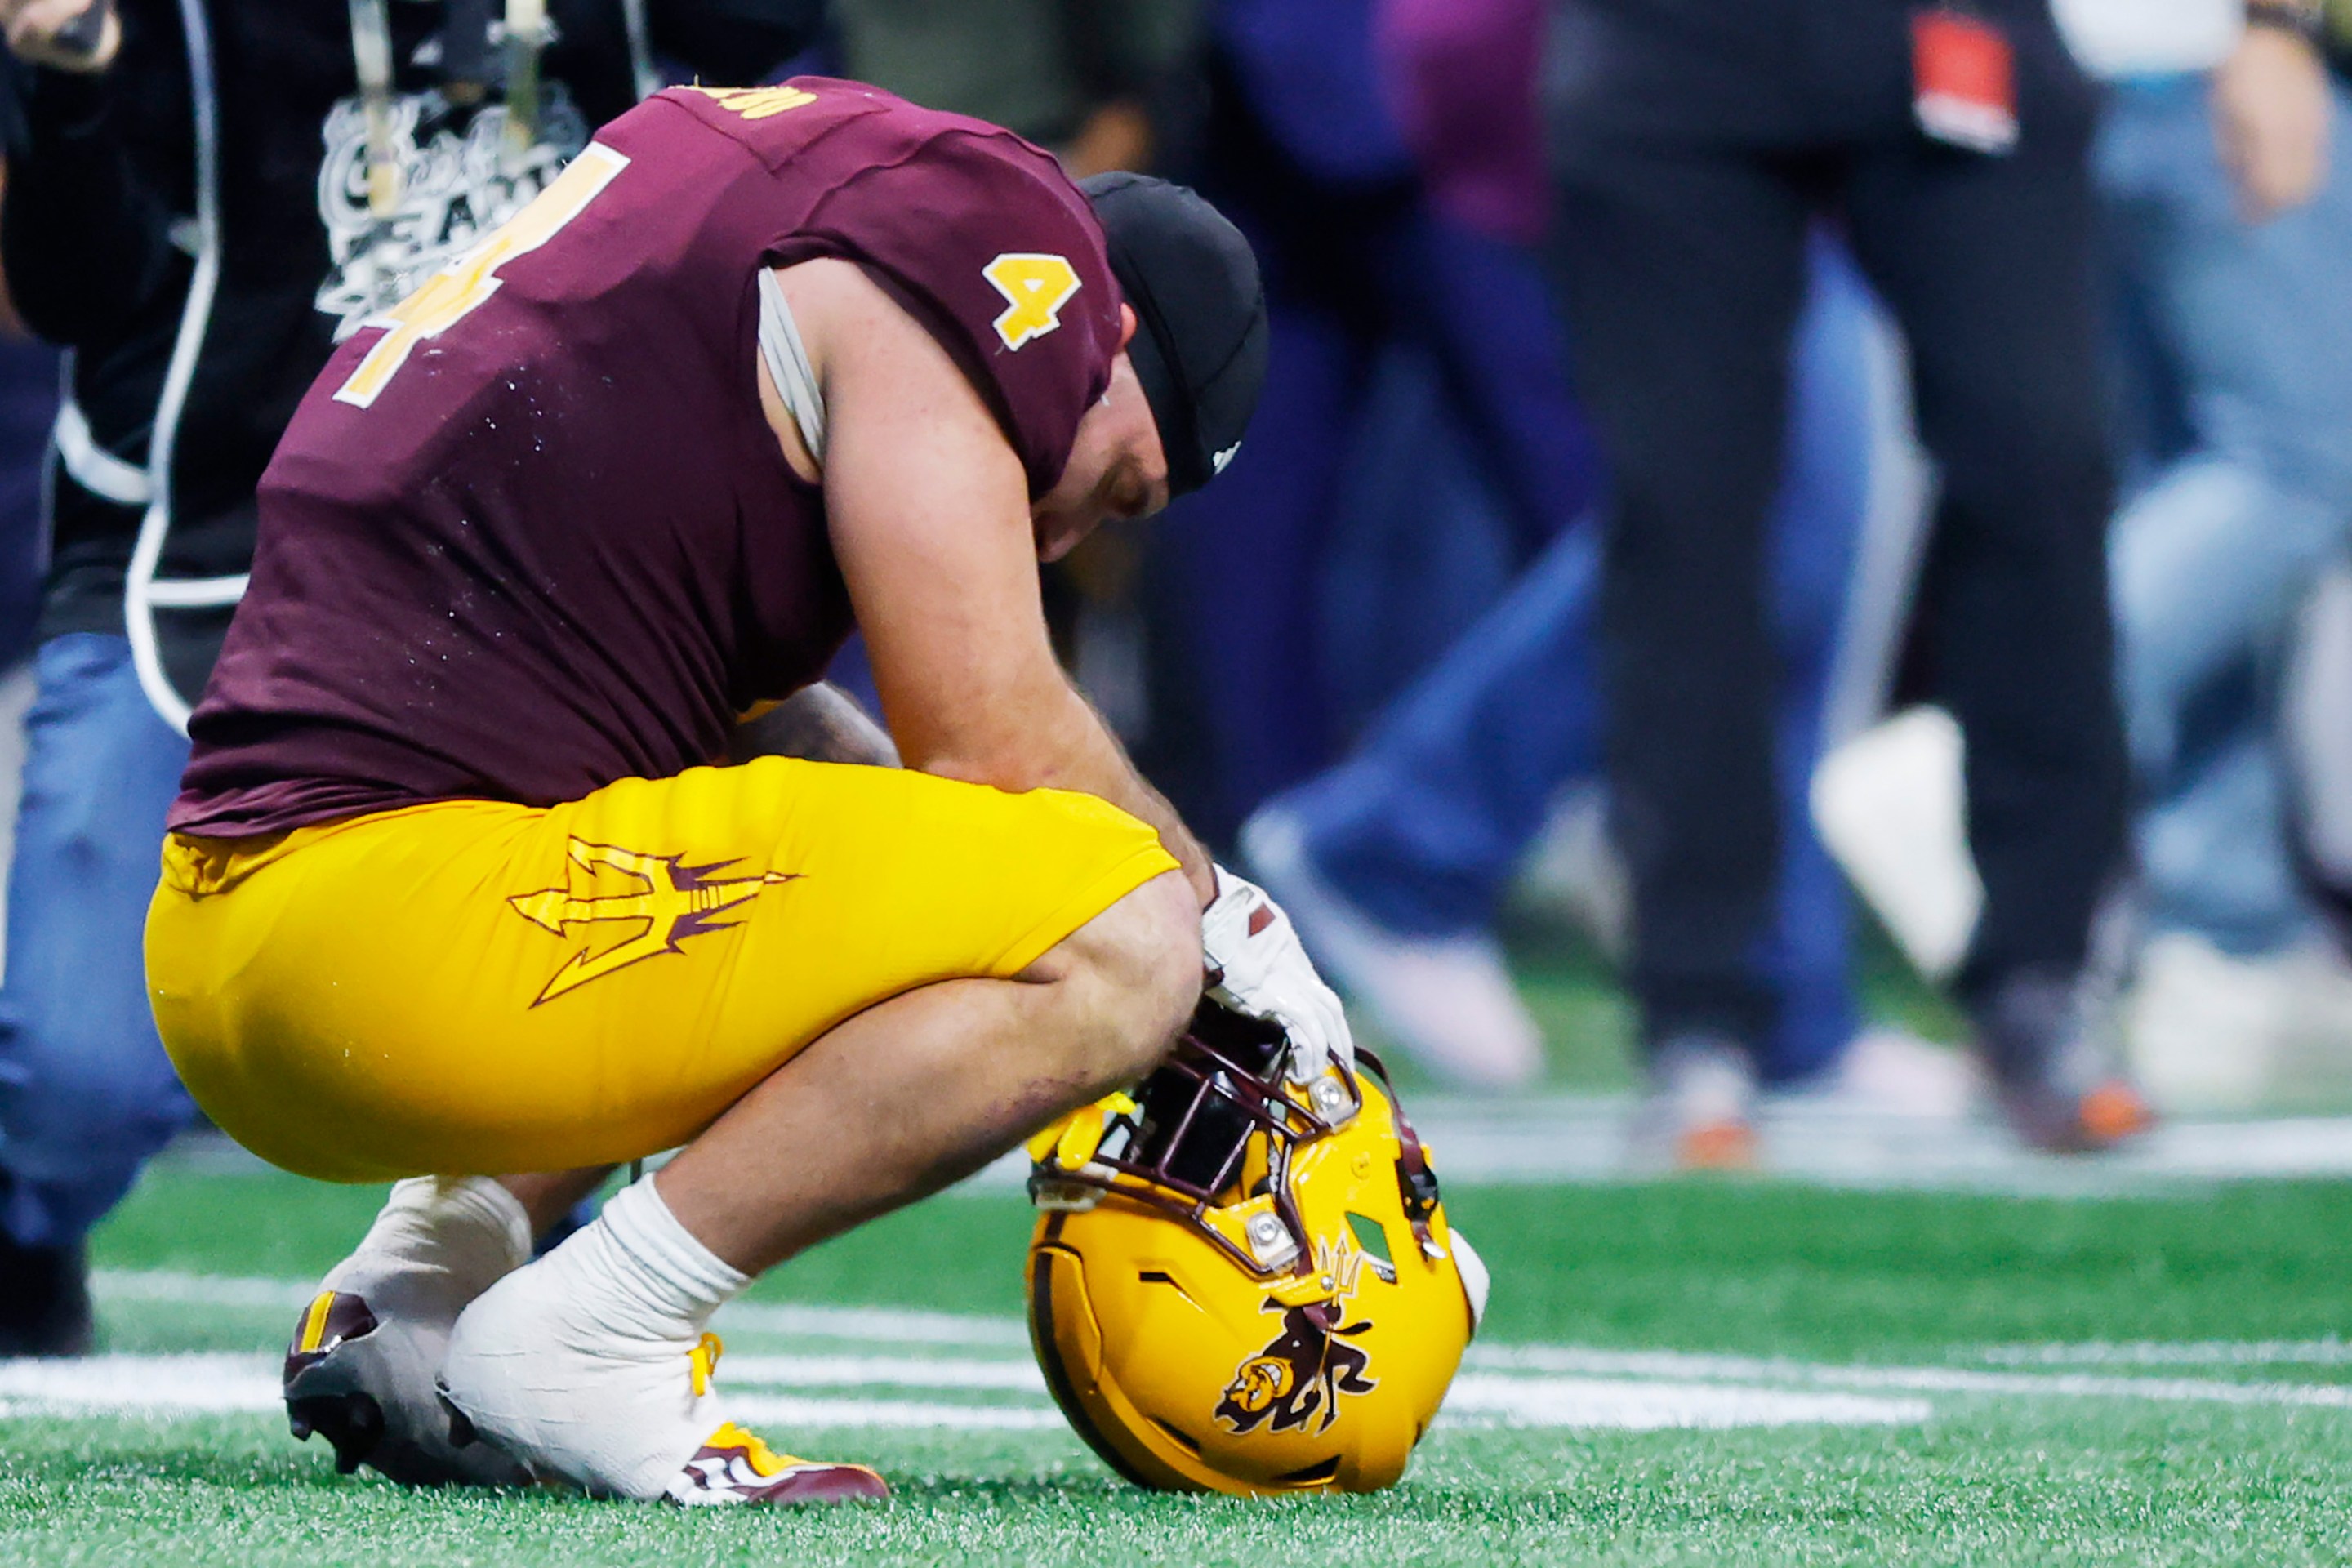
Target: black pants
(1697, 140)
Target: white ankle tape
(694, 1281)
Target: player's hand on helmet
(1258, 968)
(63, 35)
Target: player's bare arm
(932, 525)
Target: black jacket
(107, 251)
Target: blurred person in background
(1396, 862)
(203, 200)
(28, 405)
(1695, 144)
(1301, 148)
(2222, 164)
(1093, 82)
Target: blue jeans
(86, 1092)
(2239, 342)
(1425, 824)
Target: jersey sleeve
(981, 237)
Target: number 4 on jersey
(1035, 288)
(452, 293)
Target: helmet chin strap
(1416, 1180)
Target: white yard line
(1593, 1404)
(1558, 1359)
(785, 1410)
(1581, 1138)
(2148, 1352)
(176, 1385)
(865, 1325)
(200, 1290)
(1562, 1386)
(1575, 1138)
(179, 1385)
(882, 1371)
(877, 1325)
(162, 1384)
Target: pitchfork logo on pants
(667, 904)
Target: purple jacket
(1462, 75)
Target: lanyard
(526, 35)
(371, 56)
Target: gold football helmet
(1240, 1283)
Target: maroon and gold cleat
(349, 1418)
(366, 1387)
(733, 1466)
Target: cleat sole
(352, 1423)
(462, 1433)
(329, 1396)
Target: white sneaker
(2205, 1029)
(570, 1368)
(1448, 1000)
(2315, 1067)
(1698, 1112)
(1891, 1072)
(2215, 1033)
(361, 1369)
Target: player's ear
(1126, 325)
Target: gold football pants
(473, 987)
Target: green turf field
(1673, 1372)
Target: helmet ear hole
(1371, 1236)
(1162, 1277)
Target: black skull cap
(1199, 308)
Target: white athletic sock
(652, 1266)
(467, 1226)
(582, 1364)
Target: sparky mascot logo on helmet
(1309, 1364)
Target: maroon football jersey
(531, 533)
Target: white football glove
(1265, 974)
